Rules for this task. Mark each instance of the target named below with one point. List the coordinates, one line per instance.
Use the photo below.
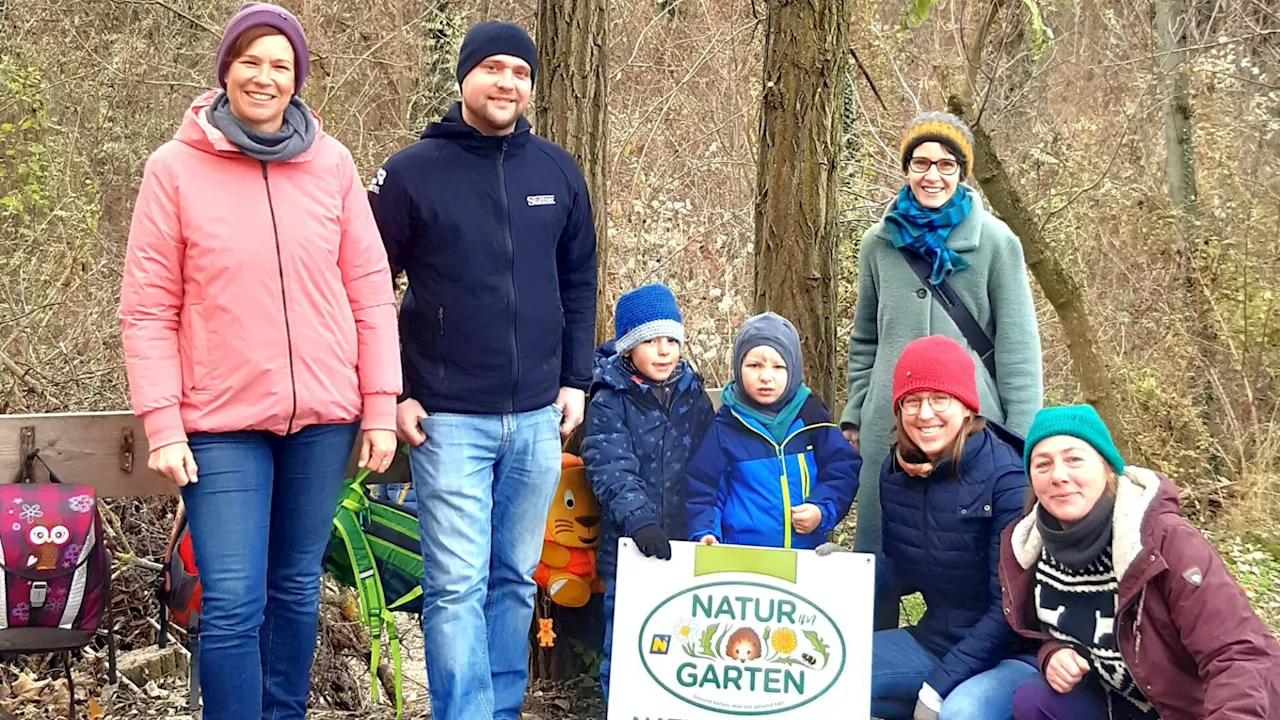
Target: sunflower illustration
(783, 641)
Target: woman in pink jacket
(259, 336)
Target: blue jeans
(260, 518)
(484, 485)
(899, 666)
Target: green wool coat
(894, 308)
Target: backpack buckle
(39, 592)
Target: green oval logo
(742, 648)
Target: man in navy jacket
(493, 226)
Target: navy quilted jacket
(942, 539)
(635, 450)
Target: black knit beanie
(495, 37)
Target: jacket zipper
(804, 475)
(782, 461)
(284, 302)
(511, 250)
(924, 526)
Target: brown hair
(241, 45)
(971, 425)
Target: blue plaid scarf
(925, 231)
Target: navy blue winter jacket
(742, 485)
(497, 238)
(942, 539)
(635, 450)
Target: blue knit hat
(1077, 421)
(643, 314)
(495, 37)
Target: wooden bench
(106, 450)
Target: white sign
(730, 631)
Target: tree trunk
(1060, 287)
(1171, 21)
(572, 91)
(805, 66)
(1180, 166)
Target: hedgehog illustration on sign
(743, 645)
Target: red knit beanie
(936, 364)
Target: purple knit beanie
(257, 14)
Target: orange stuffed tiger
(567, 569)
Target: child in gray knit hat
(773, 470)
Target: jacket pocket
(973, 502)
(194, 350)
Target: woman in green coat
(938, 218)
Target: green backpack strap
(373, 605)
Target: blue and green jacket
(742, 483)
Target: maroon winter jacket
(1183, 624)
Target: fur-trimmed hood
(1139, 492)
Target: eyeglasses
(938, 402)
(921, 165)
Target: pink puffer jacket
(256, 296)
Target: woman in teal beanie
(1138, 617)
(938, 218)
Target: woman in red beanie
(259, 330)
(950, 485)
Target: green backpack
(375, 549)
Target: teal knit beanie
(1077, 421)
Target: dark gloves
(652, 541)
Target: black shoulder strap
(978, 339)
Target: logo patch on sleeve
(536, 200)
(375, 185)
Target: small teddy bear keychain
(546, 637)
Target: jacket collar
(197, 132)
(453, 128)
(1137, 492)
(963, 238)
(978, 444)
(611, 375)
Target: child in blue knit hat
(648, 412)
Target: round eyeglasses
(938, 403)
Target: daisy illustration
(31, 512)
(685, 630)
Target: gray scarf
(294, 137)
(1082, 543)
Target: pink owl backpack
(56, 578)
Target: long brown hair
(971, 425)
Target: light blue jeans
(260, 518)
(899, 666)
(484, 485)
